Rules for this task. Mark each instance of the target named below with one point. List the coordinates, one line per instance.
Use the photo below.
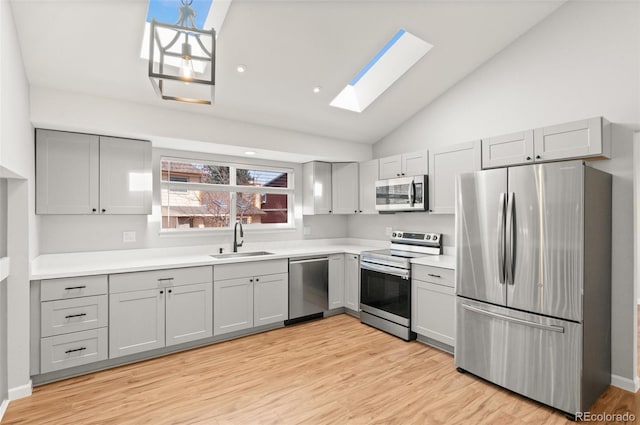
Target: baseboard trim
(3, 408)
(21, 391)
(631, 385)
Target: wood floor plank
(332, 371)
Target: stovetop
(404, 247)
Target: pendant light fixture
(182, 59)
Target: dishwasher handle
(309, 260)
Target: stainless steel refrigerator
(533, 281)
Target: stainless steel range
(385, 281)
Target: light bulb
(186, 65)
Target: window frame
(233, 188)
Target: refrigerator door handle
(523, 322)
(501, 243)
(510, 239)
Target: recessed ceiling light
(249, 153)
(317, 89)
(241, 68)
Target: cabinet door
(136, 322)
(271, 299)
(344, 187)
(67, 176)
(316, 188)
(433, 311)
(510, 149)
(390, 167)
(368, 174)
(189, 314)
(352, 282)
(415, 163)
(573, 140)
(232, 305)
(336, 280)
(125, 176)
(445, 164)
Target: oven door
(385, 292)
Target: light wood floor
(333, 371)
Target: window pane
(189, 209)
(247, 177)
(262, 208)
(194, 172)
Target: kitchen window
(198, 195)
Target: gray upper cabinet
(407, 164)
(316, 181)
(67, 172)
(125, 176)
(344, 187)
(589, 138)
(88, 174)
(509, 149)
(445, 164)
(368, 174)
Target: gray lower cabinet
(73, 322)
(433, 303)
(336, 280)
(250, 294)
(352, 282)
(154, 309)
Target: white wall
(59, 110)
(17, 155)
(76, 233)
(582, 61)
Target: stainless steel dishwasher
(308, 288)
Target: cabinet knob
(162, 292)
(402, 174)
(94, 210)
(103, 210)
(257, 280)
(360, 211)
(528, 158)
(330, 211)
(355, 211)
(169, 291)
(250, 280)
(397, 174)
(538, 157)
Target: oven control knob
(399, 234)
(435, 237)
(428, 237)
(393, 234)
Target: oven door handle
(385, 269)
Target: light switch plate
(128, 237)
(387, 231)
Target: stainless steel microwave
(402, 194)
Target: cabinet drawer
(73, 315)
(141, 281)
(73, 287)
(74, 349)
(250, 268)
(438, 275)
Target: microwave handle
(412, 193)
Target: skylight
(390, 63)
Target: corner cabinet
(445, 164)
(89, 174)
(316, 181)
(252, 294)
(154, 309)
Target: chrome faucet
(235, 236)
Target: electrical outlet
(128, 237)
(306, 230)
(387, 231)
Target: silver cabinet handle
(75, 315)
(75, 349)
(523, 322)
(165, 279)
(69, 288)
(434, 275)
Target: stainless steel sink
(241, 254)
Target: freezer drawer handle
(552, 328)
(68, 288)
(75, 315)
(75, 349)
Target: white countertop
(50, 266)
(444, 261)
